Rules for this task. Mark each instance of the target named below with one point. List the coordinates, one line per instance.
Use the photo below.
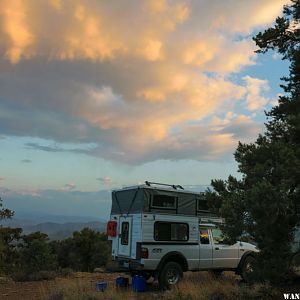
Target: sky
(97, 95)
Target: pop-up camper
(163, 230)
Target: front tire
(170, 275)
(247, 268)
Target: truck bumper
(130, 265)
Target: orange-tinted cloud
(17, 35)
(133, 77)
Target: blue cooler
(138, 283)
(101, 286)
(121, 282)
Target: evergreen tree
(84, 251)
(7, 237)
(36, 253)
(264, 204)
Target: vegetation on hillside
(265, 204)
(34, 256)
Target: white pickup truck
(152, 236)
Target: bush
(36, 276)
(84, 251)
(64, 272)
(27, 257)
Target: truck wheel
(170, 275)
(247, 268)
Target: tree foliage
(7, 235)
(84, 251)
(4, 212)
(35, 253)
(264, 204)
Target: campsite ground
(81, 286)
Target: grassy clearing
(200, 285)
(194, 286)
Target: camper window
(124, 233)
(204, 236)
(217, 236)
(170, 231)
(164, 202)
(202, 205)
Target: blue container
(138, 283)
(101, 286)
(122, 281)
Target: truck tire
(170, 275)
(247, 268)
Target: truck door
(124, 239)
(224, 255)
(205, 249)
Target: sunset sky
(99, 94)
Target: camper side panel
(157, 249)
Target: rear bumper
(130, 265)
(138, 265)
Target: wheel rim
(249, 268)
(172, 276)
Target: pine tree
(264, 204)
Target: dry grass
(81, 286)
(196, 286)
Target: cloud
(255, 88)
(106, 180)
(15, 28)
(69, 187)
(44, 148)
(26, 160)
(55, 148)
(129, 81)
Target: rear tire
(247, 268)
(170, 275)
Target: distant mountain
(55, 230)
(41, 217)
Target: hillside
(55, 230)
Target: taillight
(144, 252)
(111, 229)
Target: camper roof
(169, 188)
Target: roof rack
(175, 187)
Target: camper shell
(159, 200)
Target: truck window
(124, 233)
(171, 231)
(164, 201)
(217, 236)
(204, 236)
